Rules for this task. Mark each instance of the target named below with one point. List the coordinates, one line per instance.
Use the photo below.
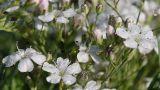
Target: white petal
(39, 25)
(69, 79)
(12, 9)
(77, 87)
(25, 65)
(146, 46)
(30, 51)
(50, 68)
(62, 20)
(73, 69)
(69, 13)
(130, 43)
(95, 58)
(11, 59)
(38, 58)
(122, 33)
(92, 85)
(53, 78)
(134, 29)
(47, 17)
(62, 64)
(83, 57)
(147, 33)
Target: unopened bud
(110, 30)
(99, 8)
(43, 5)
(85, 9)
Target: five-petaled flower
(137, 37)
(61, 70)
(25, 58)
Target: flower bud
(110, 30)
(99, 8)
(85, 9)
(43, 5)
(79, 19)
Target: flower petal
(83, 57)
(73, 69)
(30, 51)
(134, 29)
(90, 85)
(47, 17)
(69, 13)
(11, 59)
(122, 33)
(25, 65)
(146, 46)
(50, 68)
(93, 85)
(62, 20)
(53, 78)
(77, 87)
(130, 43)
(69, 79)
(38, 58)
(62, 64)
(95, 58)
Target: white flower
(91, 85)
(62, 70)
(60, 16)
(84, 53)
(136, 37)
(63, 17)
(48, 17)
(25, 58)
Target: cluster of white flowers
(98, 24)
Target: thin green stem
(114, 9)
(61, 85)
(140, 11)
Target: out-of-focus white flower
(49, 16)
(61, 17)
(137, 37)
(25, 58)
(12, 9)
(150, 7)
(91, 85)
(84, 53)
(62, 70)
